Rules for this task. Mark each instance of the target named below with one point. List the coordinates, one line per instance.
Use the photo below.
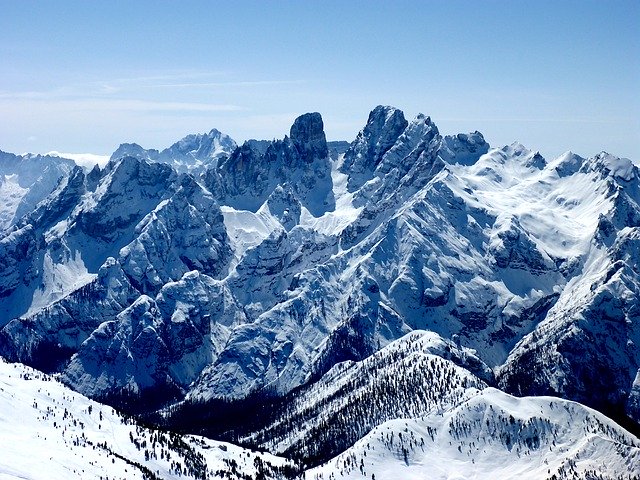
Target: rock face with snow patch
(184, 232)
(155, 348)
(48, 337)
(284, 205)
(66, 284)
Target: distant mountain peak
(612, 166)
(194, 153)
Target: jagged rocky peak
(93, 177)
(259, 146)
(132, 169)
(567, 164)
(611, 166)
(518, 152)
(25, 180)
(245, 154)
(185, 232)
(60, 202)
(384, 126)
(242, 179)
(246, 179)
(463, 148)
(405, 153)
(33, 172)
(307, 134)
(130, 188)
(157, 346)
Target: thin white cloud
(536, 120)
(256, 83)
(31, 95)
(110, 86)
(167, 77)
(108, 104)
(156, 106)
(131, 86)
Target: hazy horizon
(82, 77)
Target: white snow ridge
(409, 305)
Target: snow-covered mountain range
(319, 286)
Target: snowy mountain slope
(409, 411)
(47, 338)
(222, 315)
(155, 348)
(37, 264)
(410, 377)
(24, 181)
(331, 295)
(192, 154)
(595, 321)
(49, 431)
(495, 261)
(279, 258)
(489, 435)
(73, 231)
(183, 232)
(275, 347)
(354, 289)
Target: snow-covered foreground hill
(47, 431)
(493, 435)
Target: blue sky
(85, 76)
